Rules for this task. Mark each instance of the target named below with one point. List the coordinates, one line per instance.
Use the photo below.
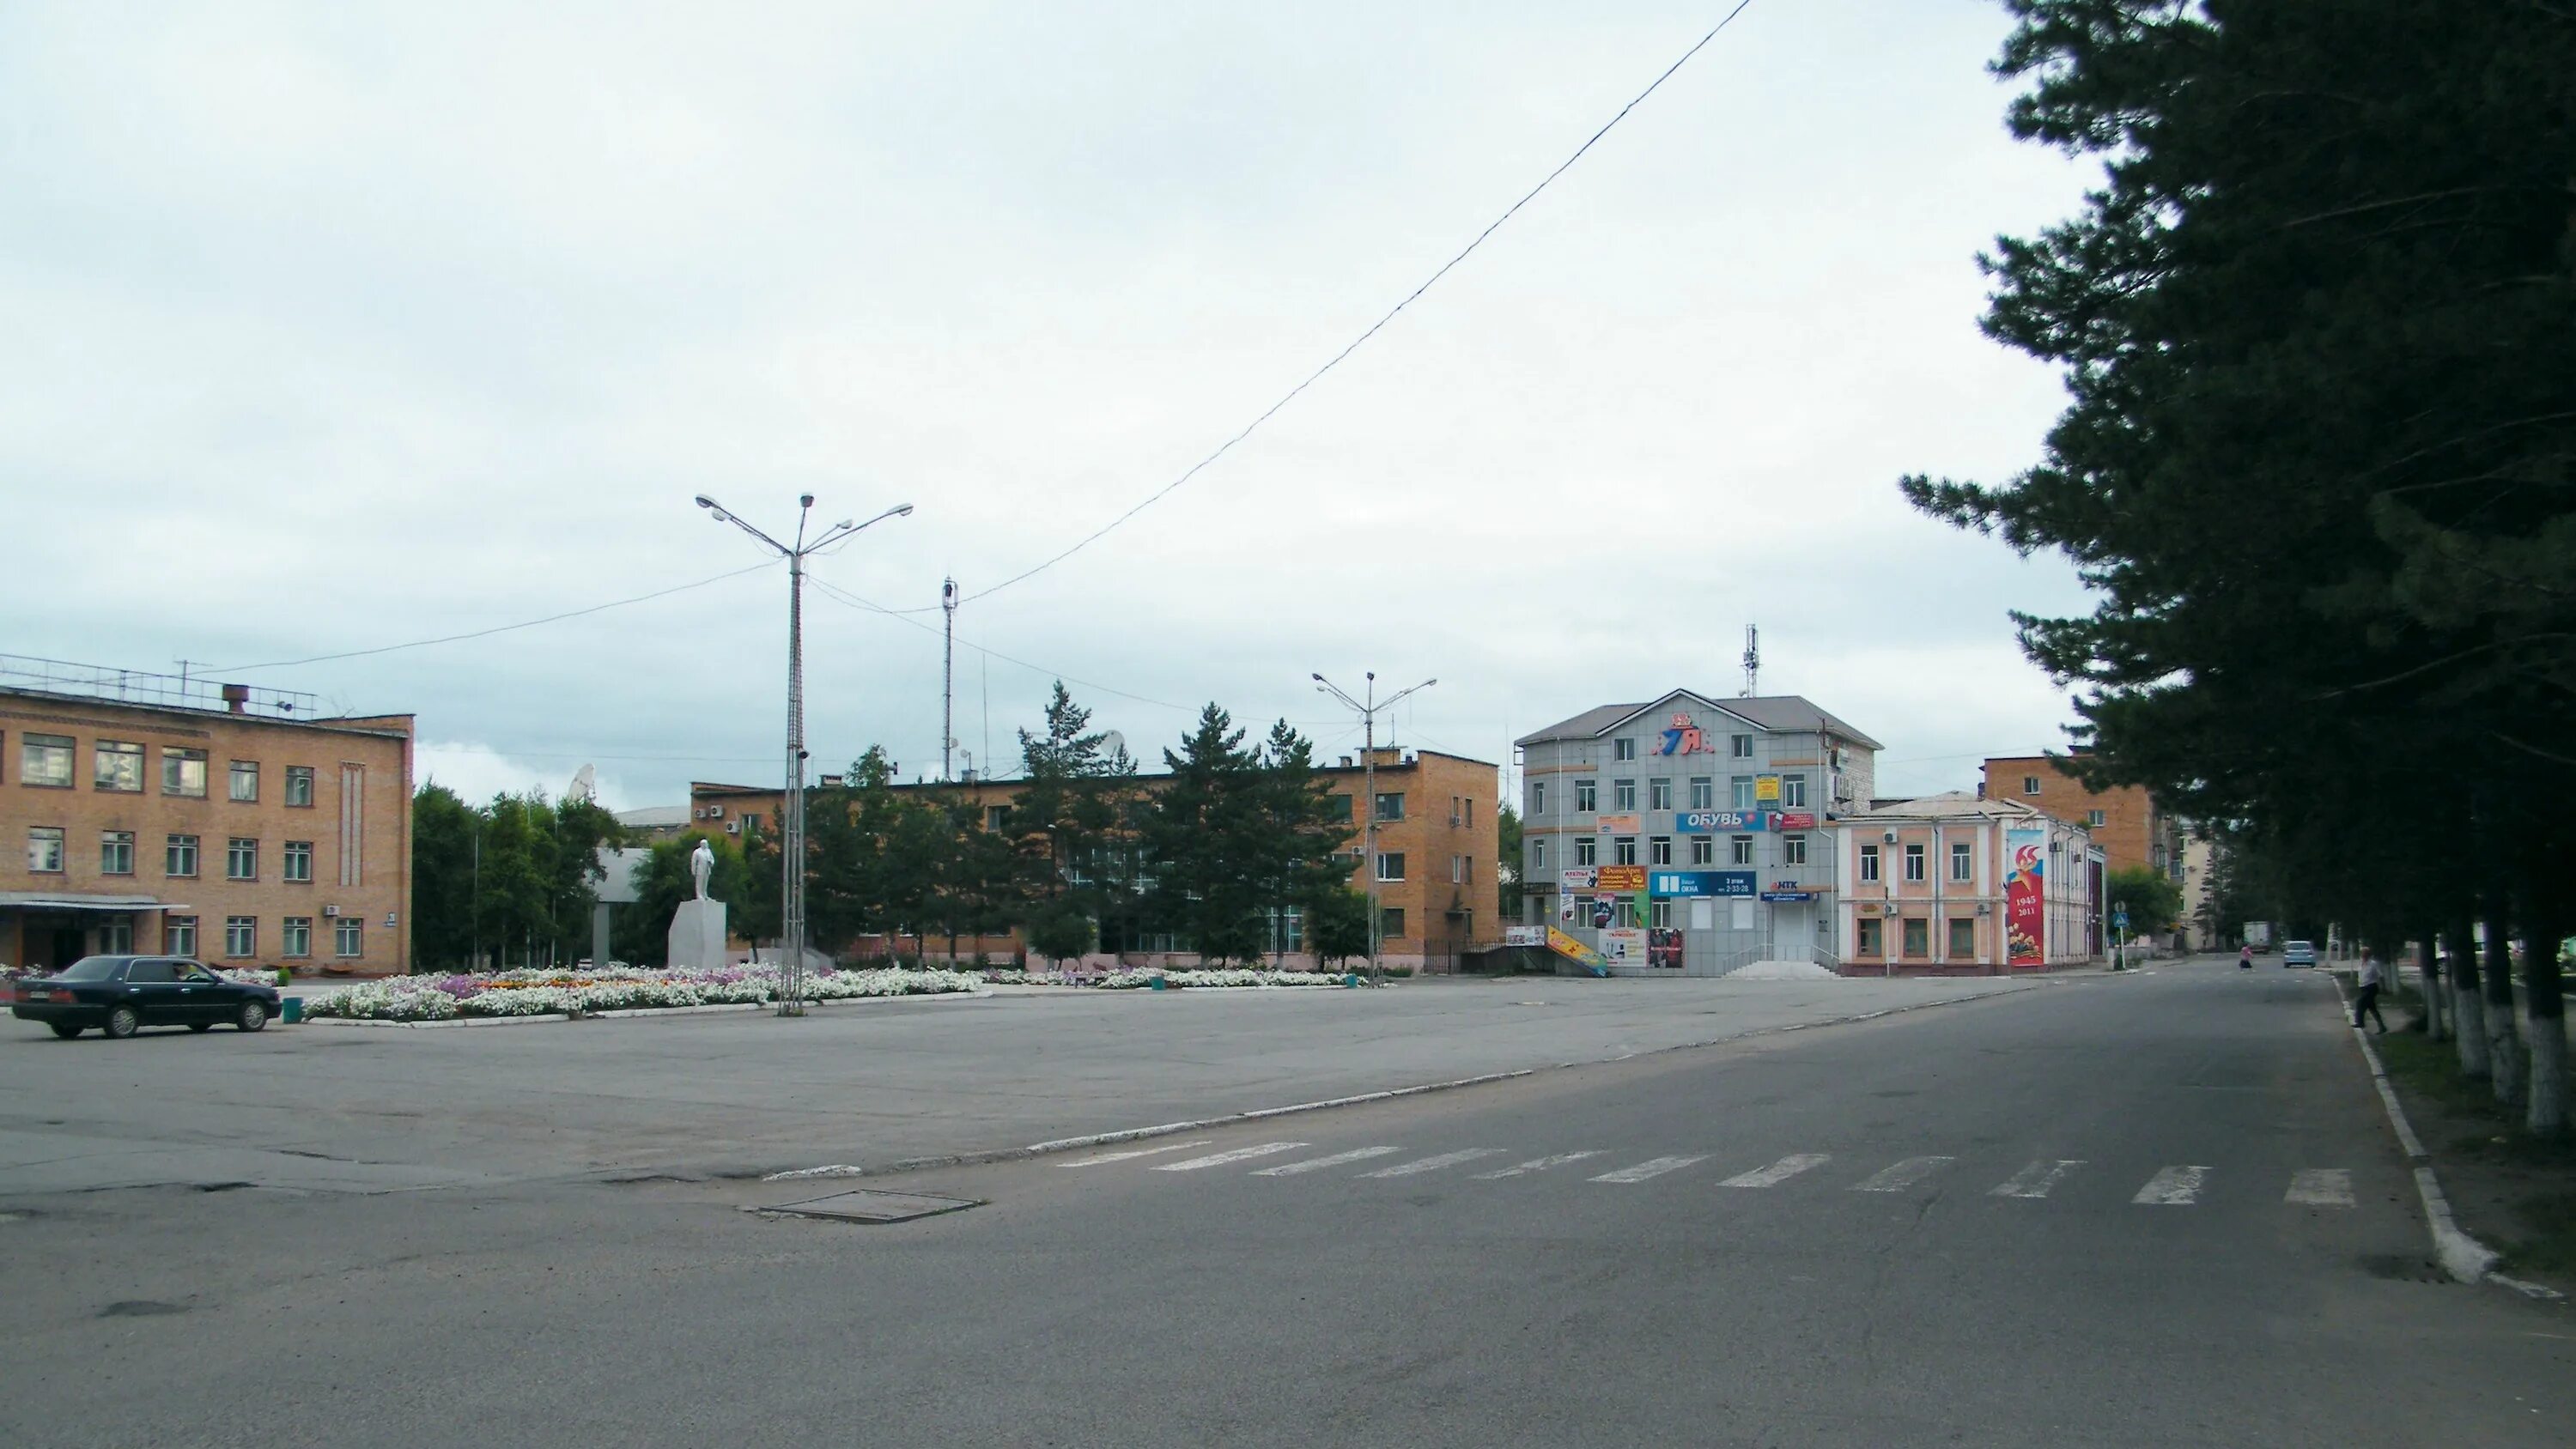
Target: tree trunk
(2544, 923)
(2504, 1033)
(2468, 1007)
(2428, 979)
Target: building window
(350, 940)
(1659, 794)
(45, 849)
(1623, 749)
(116, 938)
(1963, 938)
(997, 818)
(1390, 923)
(1584, 852)
(1914, 862)
(179, 935)
(298, 865)
(2030, 784)
(1337, 807)
(1793, 850)
(241, 858)
(116, 852)
(1660, 915)
(295, 936)
(241, 935)
(1467, 811)
(1703, 792)
(1963, 862)
(1739, 793)
(1538, 856)
(1587, 796)
(1740, 747)
(1740, 850)
(1390, 865)
(117, 765)
(1869, 862)
(183, 772)
(1793, 792)
(1457, 869)
(244, 784)
(299, 786)
(1623, 794)
(1872, 936)
(1703, 850)
(1623, 850)
(1390, 806)
(45, 760)
(1918, 936)
(1659, 850)
(2097, 818)
(181, 857)
(1538, 798)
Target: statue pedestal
(698, 936)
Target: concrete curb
(2465, 1258)
(1166, 1129)
(636, 1011)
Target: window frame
(288, 858)
(245, 931)
(1587, 797)
(1383, 817)
(1538, 855)
(1739, 850)
(1916, 938)
(1793, 792)
(238, 849)
(1624, 748)
(1963, 944)
(1703, 792)
(349, 939)
(1623, 797)
(1868, 864)
(1537, 798)
(1659, 793)
(236, 771)
(1870, 939)
(1385, 856)
(1587, 850)
(303, 775)
(179, 935)
(174, 773)
(1390, 923)
(1659, 850)
(1793, 849)
(109, 840)
(287, 929)
(56, 837)
(1739, 747)
(170, 846)
(1963, 862)
(1914, 862)
(1703, 850)
(100, 750)
(1740, 792)
(1623, 850)
(66, 746)
(2030, 784)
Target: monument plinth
(698, 927)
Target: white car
(2299, 953)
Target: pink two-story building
(1957, 885)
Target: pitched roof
(1946, 805)
(1768, 712)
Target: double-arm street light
(791, 923)
(1368, 708)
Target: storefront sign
(1524, 935)
(1664, 948)
(1620, 824)
(1578, 877)
(1766, 787)
(1789, 896)
(1793, 820)
(1602, 913)
(2026, 897)
(1701, 883)
(1565, 945)
(1625, 880)
(1624, 945)
(1684, 738)
(1724, 822)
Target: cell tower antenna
(947, 676)
(1752, 659)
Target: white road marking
(1898, 1176)
(1434, 1164)
(2036, 1179)
(2173, 1187)
(1097, 1159)
(1291, 1169)
(2321, 1187)
(1780, 1171)
(1536, 1164)
(1220, 1159)
(1652, 1167)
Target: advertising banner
(1524, 935)
(1793, 820)
(1625, 880)
(1713, 822)
(1684, 738)
(1766, 788)
(2026, 897)
(1565, 945)
(1789, 896)
(1624, 945)
(1620, 824)
(1578, 877)
(1664, 948)
(1670, 883)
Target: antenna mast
(947, 675)
(1752, 658)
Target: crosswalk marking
(1220, 1159)
(1099, 1158)
(1898, 1176)
(1434, 1164)
(1780, 1171)
(1312, 1164)
(2036, 1179)
(1652, 1167)
(2173, 1187)
(2321, 1187)
(1535, 1164)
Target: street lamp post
(1368, 709)
(791, 910)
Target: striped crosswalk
(2039, 1179)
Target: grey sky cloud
(339, 326)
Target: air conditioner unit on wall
(715, 812)
(733, 827)
(330, 910)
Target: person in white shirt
(2368, 1001)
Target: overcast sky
(330, 327)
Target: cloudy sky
(332, 327)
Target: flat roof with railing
(166, 691)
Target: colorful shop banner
(1728, 822)
(1620, 824)
(1524, 935)
(1623, 880)
(1578, 877)
(1670, 883)
(1684, 738)
(1664, 948)
(2025, 896)
(1624, 945)
(1791, 897)
(1793, 820)
(1766, 787)
(1565, 945)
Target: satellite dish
(585, 785)
(1112, 745)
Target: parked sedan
(121, 995)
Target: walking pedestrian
(2245, 957)
(2368, 1000)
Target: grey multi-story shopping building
(1691, 833)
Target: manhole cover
(868, 1205)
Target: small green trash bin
(294, 1009)
(1157, 983)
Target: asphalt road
(2161, 1210)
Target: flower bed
(617, 988)
(1129, 980)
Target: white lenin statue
(698, 927)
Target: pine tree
(1203, 843)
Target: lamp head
(904, 512)
(805, 500)
(705, 502)
(1319, 679)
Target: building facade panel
(1927, 887)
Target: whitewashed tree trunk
(2504, 1032)
(2547, 1113)
(2472, 1017)
(2428, 982)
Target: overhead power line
(1373, 328)
(844, 596)
(497, 628)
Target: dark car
(121, 995)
